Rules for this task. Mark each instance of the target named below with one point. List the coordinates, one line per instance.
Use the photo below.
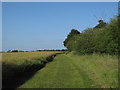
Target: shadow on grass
(15, 75)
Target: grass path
(63, 72)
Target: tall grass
(73, 71)
(18, 64)
(22, 57)
(102, 68)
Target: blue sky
(31, 26)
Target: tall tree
(68, 43)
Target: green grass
(72, 71)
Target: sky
(45, 25)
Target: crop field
(22, 64)
(72, 71)
(22, 57)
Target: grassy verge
(20, 66)
(101, 68)
(70, 71)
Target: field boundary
(29, 71)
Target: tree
(101, 24)
(102, 38)
(68, 43)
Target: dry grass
(17, 67)
(21, 57)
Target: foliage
(101, 24)
(103, 38)
(69, 41)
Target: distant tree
(14, 51)
(9, 51)
(38, 50)
(64, 50)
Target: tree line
(38, 50)
(103, 38)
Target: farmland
(28, 70)
(18, 67)
(60, 45)
(22, 57)
(72, 71)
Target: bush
(103, 38)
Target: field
(60, 45)
(22, 57)
(20, 66)
(72, 71)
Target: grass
(72, 71)
(21, 64)
(22, 57)
(101, 68)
